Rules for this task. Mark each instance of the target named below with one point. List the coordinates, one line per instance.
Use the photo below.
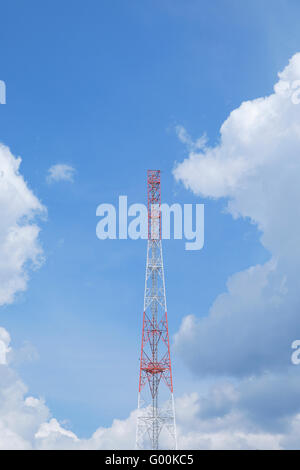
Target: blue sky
(101, 86)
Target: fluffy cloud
(228, 416)
(256, 166)
(60, 172)
(19, 244)
(26, 422)
(248, 331)
(4, 345)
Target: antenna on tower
(156, 411)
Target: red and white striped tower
(156, 413)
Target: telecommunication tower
(156, 413)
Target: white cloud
(26, 422)
(55, 430)
(4, 345)
(249, 329)
(256, 166)
(19, 244)
(208, 422)
(223, 418)
(60, 172)
(186, 139)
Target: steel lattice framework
(156, 413)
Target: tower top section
(154, 203)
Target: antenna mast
(156, 413)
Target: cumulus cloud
(256, 166)
(246, 336)
(60, 172)
(19, 233)
(26, 422)
(228, 416)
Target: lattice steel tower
(156, 414)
